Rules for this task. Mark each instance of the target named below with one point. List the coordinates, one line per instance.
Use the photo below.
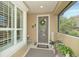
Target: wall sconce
(33, 25)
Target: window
(6, 15)
(19, 35)
(11, 29)
(69, 20)
(6, 39)
(19, 18)
(19, 24)
(6, 25)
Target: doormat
(42, 46)
(34, 52)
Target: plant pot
(67, 55)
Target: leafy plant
(64, 49)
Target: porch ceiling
(40, 6)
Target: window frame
(20, 28)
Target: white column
(25, 26)
(15, 23)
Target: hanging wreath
(42, 22)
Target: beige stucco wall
(32, 20)
(31, 31)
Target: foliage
(64, 49)
(67, 26)
(74, 33)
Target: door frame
(48, 29)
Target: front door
(42, 29)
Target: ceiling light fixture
(41, 6)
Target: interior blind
(5, 22)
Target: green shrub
(74, 33)
(64, 49)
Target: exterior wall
(31, 31)
(32, 20)
(53, 23)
